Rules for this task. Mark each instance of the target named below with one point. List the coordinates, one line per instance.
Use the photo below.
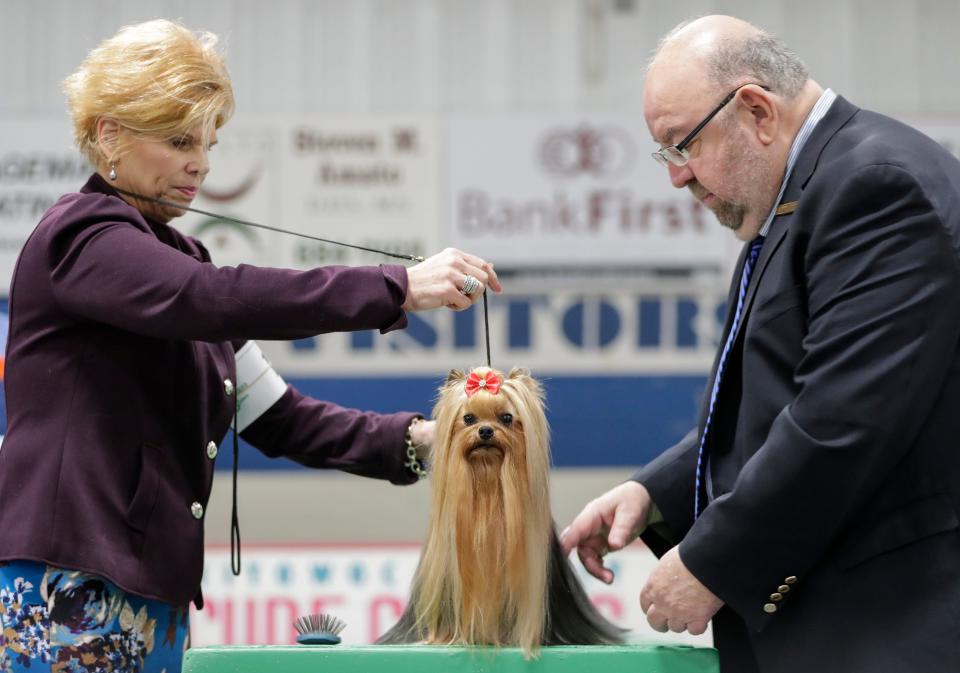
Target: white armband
(258, 385)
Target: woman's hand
(440, 280)
(421, 436)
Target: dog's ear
(454, 376)
(521, 377)
(517, 372)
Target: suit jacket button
(790, 580)
(228, 386)
(212, 450)
(769, 608)
(776, 597)
(197, 510)
(783, 588)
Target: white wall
(478, 56)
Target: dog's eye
(469, 419)
(506, 419)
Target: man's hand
(673, 599)
(607, 523)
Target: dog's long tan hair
(483, 572)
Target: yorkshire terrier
(492, 571)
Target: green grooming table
(435, 659)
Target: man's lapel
(839, 114)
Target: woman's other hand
(421, 436)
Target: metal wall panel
(457, 56)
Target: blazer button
(783, 588)
(212, 450)
(769, 608)
(228, 386)
(775, 597)
(790, 580)
(197, 510)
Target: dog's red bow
(489, 382)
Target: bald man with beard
(812, 515)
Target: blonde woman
(127, 351)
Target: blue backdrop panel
(595, 420)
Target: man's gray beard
(755, 173)
(728, 213)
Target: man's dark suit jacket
(118, 358)
(832, 531)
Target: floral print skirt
(64, 621)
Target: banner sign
(565, 192)
(657, 327)
(367, 181)
(366, 586)
(525, 192)
(38, 164)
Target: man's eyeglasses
(677, 154)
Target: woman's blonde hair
(155, 78)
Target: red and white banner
(367, 587)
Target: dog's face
(491, 419)
(488, 428)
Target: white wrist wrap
(258, 385)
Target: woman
(130, 355)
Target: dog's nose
(486, 432)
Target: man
(813, 514)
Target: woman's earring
(113, 172)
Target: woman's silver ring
(470, 285)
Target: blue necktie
(748, 265)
